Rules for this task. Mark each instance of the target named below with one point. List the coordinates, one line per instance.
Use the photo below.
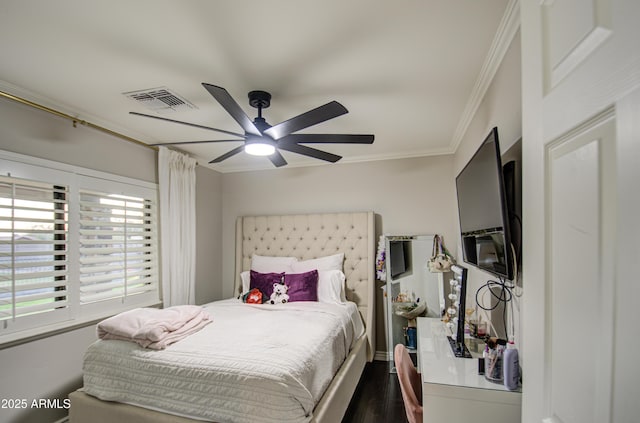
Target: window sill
(23, 337)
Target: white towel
(154, 328)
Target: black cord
(504, 295)
(518, 241)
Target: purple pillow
(264, 281)
(302, 286)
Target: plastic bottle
(510, 366)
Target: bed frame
(304, 236)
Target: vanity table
(452, 389)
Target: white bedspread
(254, 363)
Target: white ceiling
(405, 70)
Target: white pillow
(331, 286)
(245, 277)
(333, 262)
(267, 264)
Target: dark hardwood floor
(377, 397)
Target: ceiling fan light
(260, 147)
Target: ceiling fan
(262, 139)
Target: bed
(305, 237)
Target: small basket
(409, 310)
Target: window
(33, 248)
(117, 246)
(76, 245)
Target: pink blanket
(154, 328)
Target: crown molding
(507, 30)
(221, 168)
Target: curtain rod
(74, 119)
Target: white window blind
(33, 248)
(118, 253)
(76, 246)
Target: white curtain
(177, 180)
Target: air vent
(160, 100)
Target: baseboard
(381, 356)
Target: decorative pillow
(268, 264)
(302, 286)
(264, 281)
(331, 286)
(333, 262)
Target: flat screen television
(483, 211)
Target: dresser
(452, 388)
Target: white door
(581, 210)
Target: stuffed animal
(279, 294)
(253, 297)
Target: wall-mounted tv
(483, 212)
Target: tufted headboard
(308, 236)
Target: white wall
(408, 196)
(501, 107)
(48, 368)
(36, 133)
(208, 235)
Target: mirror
(410, 287)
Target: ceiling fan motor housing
(259, 99)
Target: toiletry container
(510, 366)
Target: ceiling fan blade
(305, 120)
(189, 142)
(277, 159)
(195, 125)
(228, 154)
(232, 107)
(308, 151)
(328, 139)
